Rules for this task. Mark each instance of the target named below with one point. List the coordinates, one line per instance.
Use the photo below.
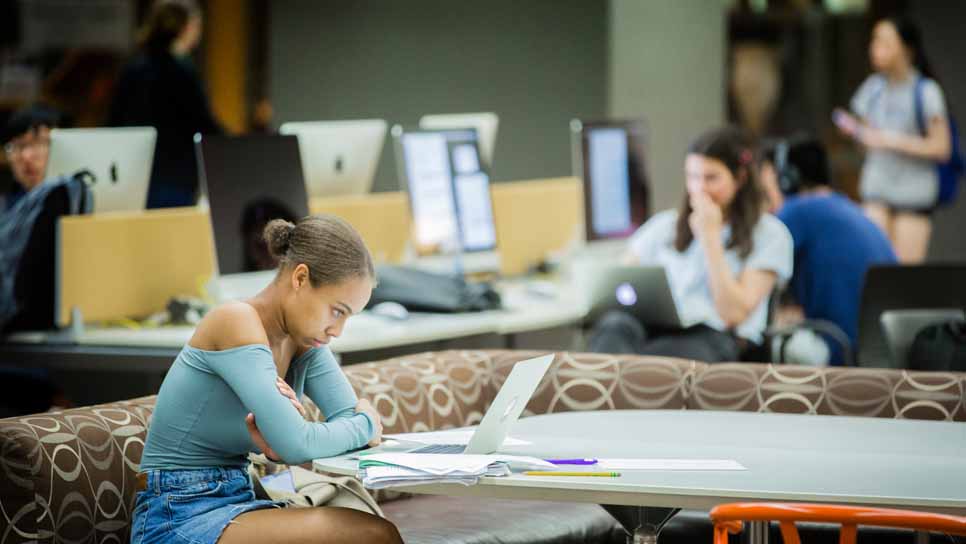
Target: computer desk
(893, 463)
(366, 336)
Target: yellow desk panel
(381, 218)
(534, 218)
(116, 265)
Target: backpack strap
(920, 114)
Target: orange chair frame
(728, 518)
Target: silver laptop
(339, 157)
(119, 159)
(503, 413)
(642, 291)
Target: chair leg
(848, 534)
(789, 532)
(757, 532)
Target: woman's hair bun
(278, 236)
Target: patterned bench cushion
(864, 392)
(71, 473)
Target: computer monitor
(119, 160)
(449, 197)
(485, 123)
(248, 181)
(339, 157)
(609, 157)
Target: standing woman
(235, 388)
(722, 254)
(900, 182)
(161, 88)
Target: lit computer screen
(449, 191)
(610, 187)
(609, 158)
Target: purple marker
(572, 461)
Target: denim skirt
(192, 506)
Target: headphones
(789, 178)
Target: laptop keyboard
(440, 448)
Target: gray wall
(536, 63)
(942, 26)
(667, 65)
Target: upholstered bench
(70, 475)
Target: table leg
(643, 524)
(756, 532)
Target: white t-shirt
(888, 176)
(688, 271)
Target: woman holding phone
(900, 118)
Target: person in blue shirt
(835, 242)
(236, 387)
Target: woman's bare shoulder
(230, 325)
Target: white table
(918, 465)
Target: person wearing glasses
(28, 219)
(26, 146)
(28, 223)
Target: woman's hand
(365, 407)
(847, 123)
(258, 439)
(287, 392)
(706, 219)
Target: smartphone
(845, 122)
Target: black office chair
(776, 338)
(902, 326)
(893, 287)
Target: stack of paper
(393, 469)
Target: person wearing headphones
(834, 241)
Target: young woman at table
(235, 388)
(723, 256)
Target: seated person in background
(255, 216)
(26, 141)
(835, 242)
(236, 388)
(28, 225)
(722, 254)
